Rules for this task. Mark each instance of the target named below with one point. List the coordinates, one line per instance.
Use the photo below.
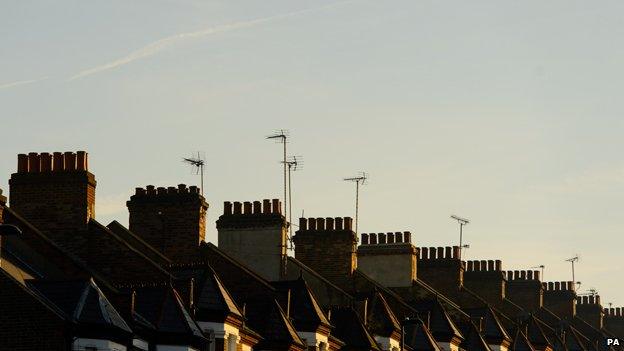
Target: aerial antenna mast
(572, 260)
(294, 163)
(360, 179)
(281, 136)
(198, 167)
(462, 222)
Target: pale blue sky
(505, 112)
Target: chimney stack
(393, 263)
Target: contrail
(161, 44)
(21, 82)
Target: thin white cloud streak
(21, 82)
(161, 44)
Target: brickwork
(328, 246)
(255, 233)
(33, 326)
(389, 258)
(590, 310)
(486, 279)
(172, 220)
(441, 268)
(560, 298)
(3, 201)
(54, 192)
(525, 289)
(614, 320)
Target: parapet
(588, 300)
(558, 286)
(327, 224)
(386, 238)
(56, 162)
(252, 208)
(522, 275)
(438, 253)
(483, 266)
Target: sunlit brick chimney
(590, 310)
(560, 298)
(255, 233)
(389, 258)
(55, 192)
(172, 220)
(327, 245)
(441, 268)
(486, 279)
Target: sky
(504, 112)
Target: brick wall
(389, 258)
(560, 298)
(33, 326)
(172, 220)
(56, 193)
(590, 310)
(441, 268)
(525, 289)
(328, 246)
(486, 279)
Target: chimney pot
(172, 190)
(70, 161)
(470, 266)
(498, 265)
(139, 191)
(448, 252)
(440, 252)
(373, 238)
(193, 189)
(557, 285)
(364, 239)
(382, 238)
(34, 165)
(424, 253)
(266, 206)
(238, 208)
(161, 190)
(570, 286)
(529, 275)
(320, 223)
(22, 163)
(182, 188)
(348, 223)
(82, 161)
(329, 223)
(303, 224)
(257, 207)
(523, 275)
(311, 224)
(247, 207)
(456, 252)
(597, 299)
(490, 265)
(277, 208)
(338, 223)
(484, 265)
(58, 162)
(227, 208)
(46, 162)
(536, 275)
(390, 238)
(407, 237)
(151, 190)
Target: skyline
(506, 114)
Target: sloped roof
(493, 329)
(521, 343)
(349, 328)
(419, 338)
(162, 307)
(305, 312)
(380, 318)
(440, 324)
(277, 330)
(84, 303)
(138, 243)
(535, 332)
(474, 341)
(214, 303)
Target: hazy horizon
(505, 113)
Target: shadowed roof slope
(305, 312)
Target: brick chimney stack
(327, 245)
(486, 279)
(590, 310)
(172, 220)
(3, 201)
(55, 192)
(441, 268)
(389, 258)
(255, 233)
(560, 298)
(525, 289)
(614, 320)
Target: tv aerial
(573, 260)
(294, 163)
(358, 180)
(197, 163)
(281, 136)
(462, 222)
